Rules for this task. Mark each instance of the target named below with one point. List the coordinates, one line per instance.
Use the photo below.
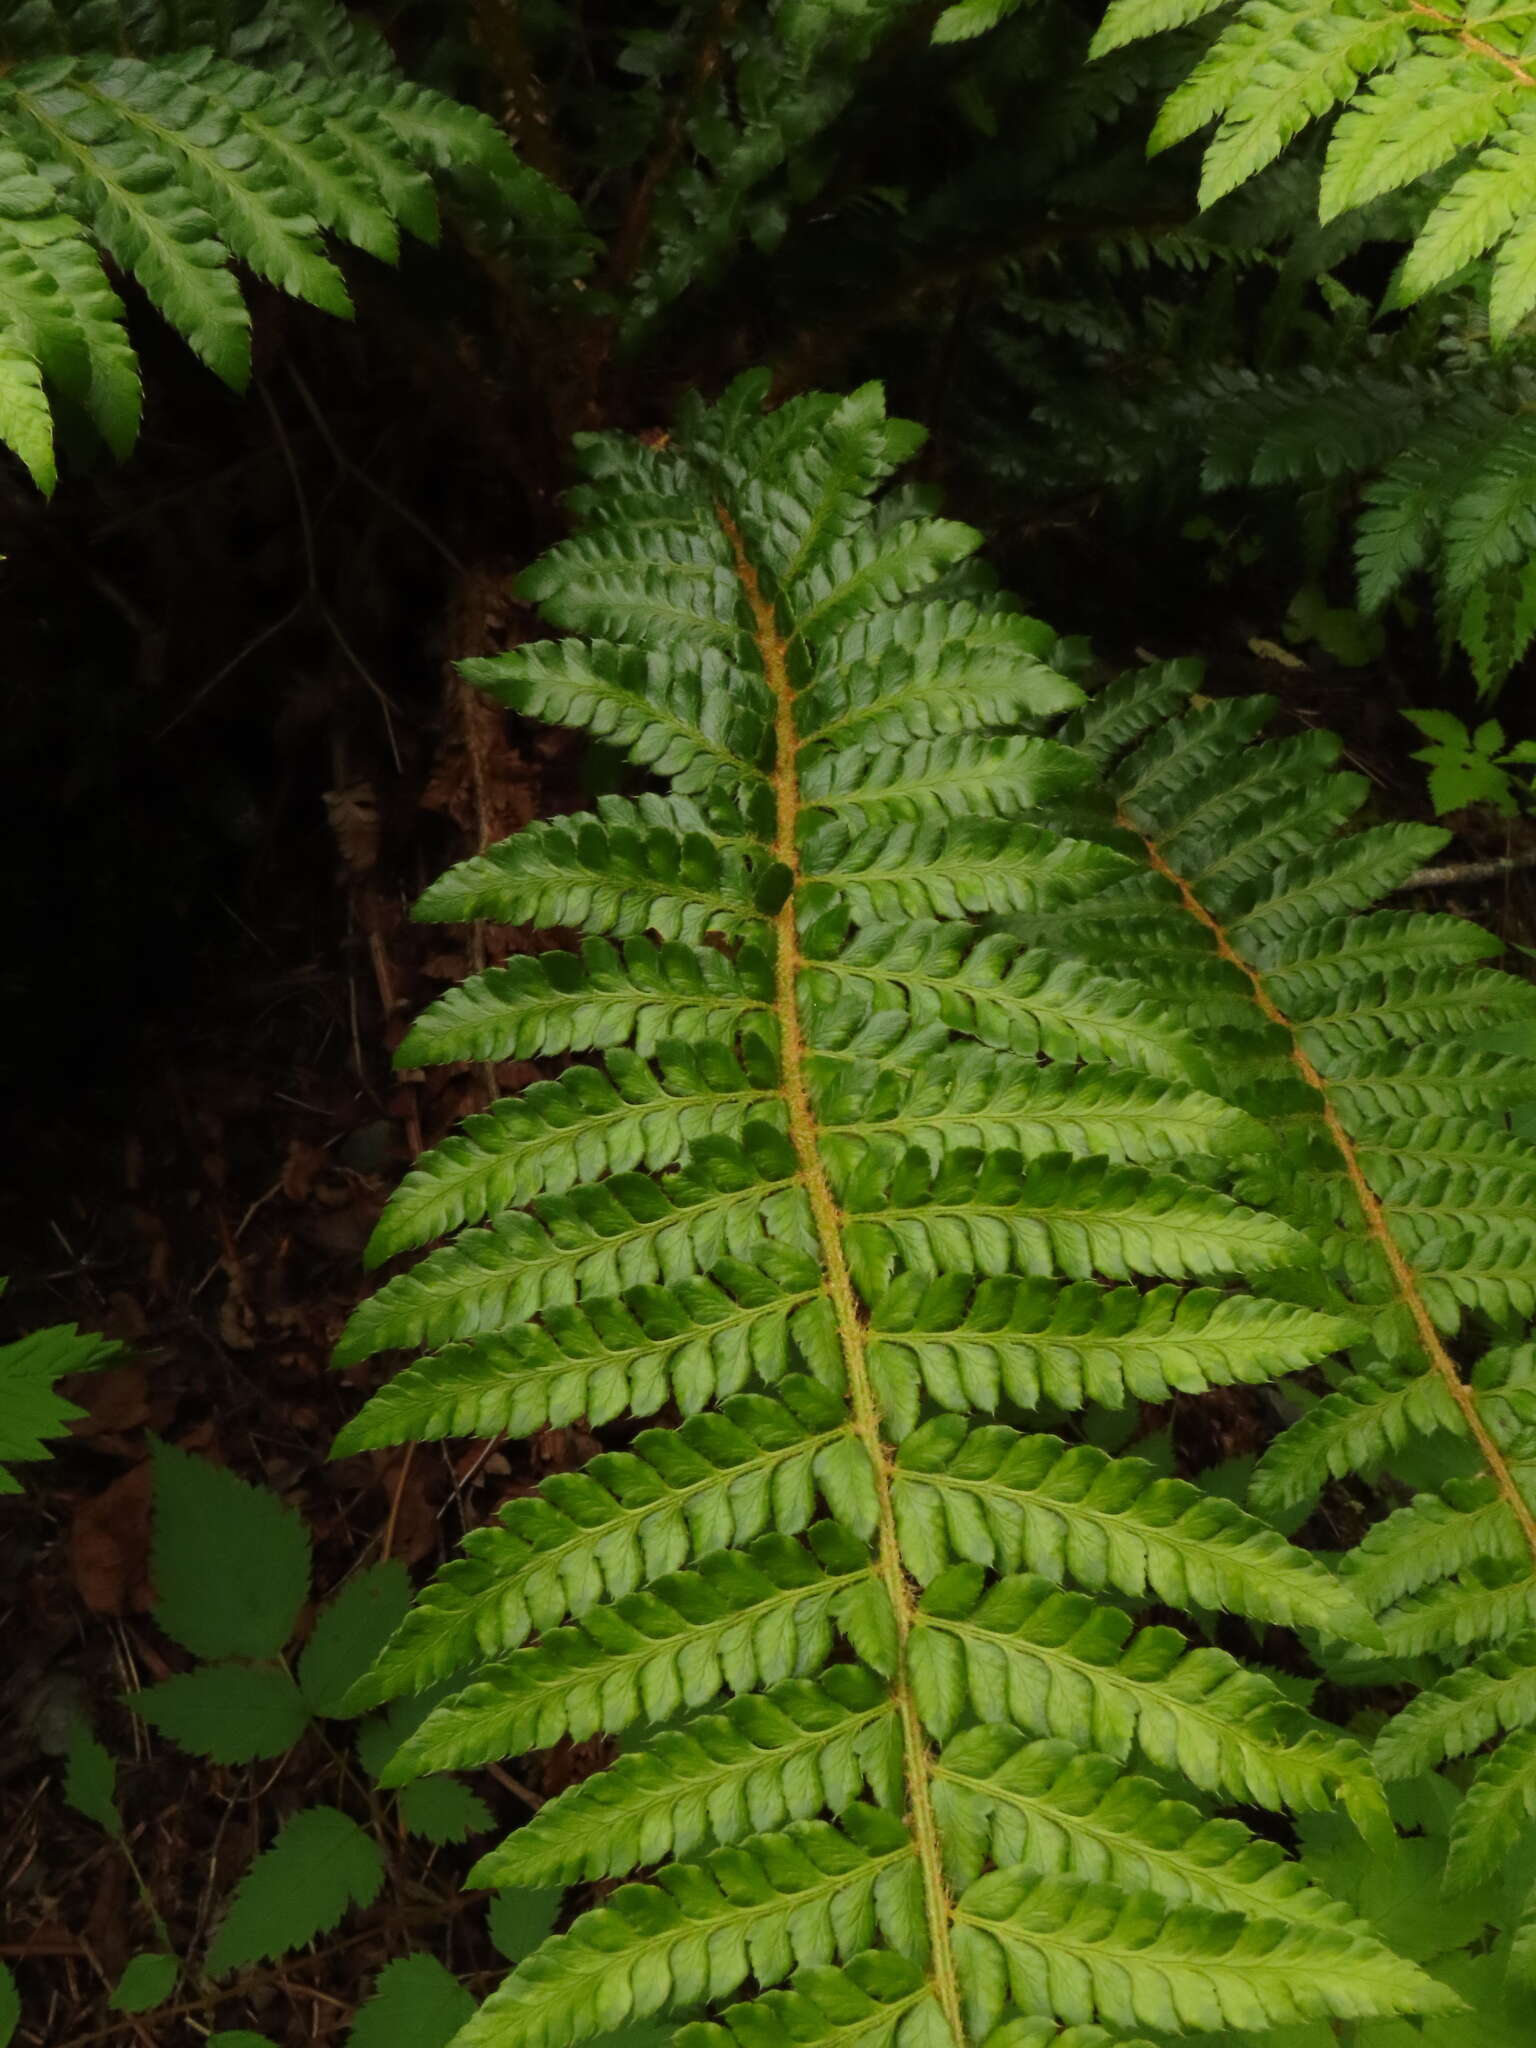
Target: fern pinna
(866, 1161)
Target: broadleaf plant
(232, 1571)
(893, 1177)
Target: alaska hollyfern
(870, 1196)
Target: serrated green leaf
(30, 1409)
(230, 1713)
(320, 1864)
(442, 1810)
(519, 1921)
(26, 421)
(231, 1561)
(350, 1633)
(414, 2004)
(90, 1779)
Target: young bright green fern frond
(1444, 95)
(129, 139)
(1416, 1195)
(863, 1166)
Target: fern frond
(610, 877)
(60, 323)
(742, 1618)
(1005, 775)
(26, 425)
(995, 1213)
(879, 2000)
(693, 1341)
(177, 161)
(1499, 1805)
(1461, 1711)
(1426, 1081)
(589, 1001)
(1022, 2033)
(1416, 1193)
(974, 1097)
(1352, 1430)
(702, 723)
(1437, 1536)
(1126, 710)
(1061, 1664)
(883, 1118)
(601, 1236)
(1416, 92)
(926, 670)
(1411, 121)
(968, 1345)
(994, 988)
(1484, 1604)
(629, 1114)
(884, 874)
(137, 215)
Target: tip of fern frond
(953, 26)
(1366, 1805)
(380, 1246)
(408, 1053)
(1356, 1625)
(363, 1695)
(493, 1872)
(401, 1769)
(351, 1348)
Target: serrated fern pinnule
(871, 1158)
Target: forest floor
(202, 1145)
